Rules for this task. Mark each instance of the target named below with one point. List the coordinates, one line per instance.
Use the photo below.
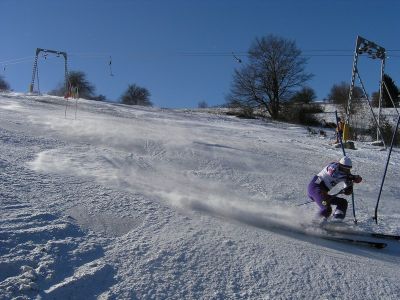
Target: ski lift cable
(96, 56)
(17, 60)
(306, 52)
(207, 53)
(90, 55)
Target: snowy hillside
(142, 203)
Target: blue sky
(180, 49)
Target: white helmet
(346, 162)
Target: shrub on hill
(301, 114)
(386, 129)
(243, 112)
(136, 95)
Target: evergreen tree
(386, 99)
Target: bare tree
(136, 95)
(274, 70)
(4, 86)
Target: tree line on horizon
(273, 78)
(133, 95)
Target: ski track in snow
(143, 203)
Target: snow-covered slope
(119, 202)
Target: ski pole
(354, 209)
(341, 191)
(344, 153)
(305, 203)
(384, 174)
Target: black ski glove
(348, 190)
(355, 178)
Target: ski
(384, 236)
(361, 233)
(377, 245)
(348, 235)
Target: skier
(339, 130)
(329, 177)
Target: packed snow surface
(106, 201)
